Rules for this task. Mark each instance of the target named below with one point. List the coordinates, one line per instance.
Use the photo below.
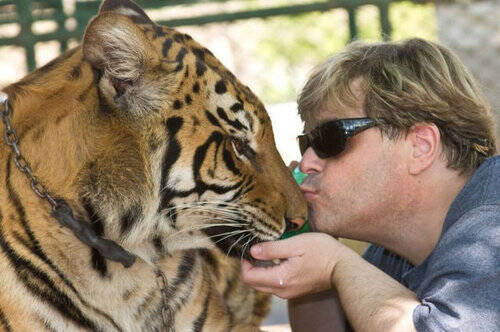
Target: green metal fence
(26, 13)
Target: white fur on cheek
(225, 101)
(181, 178)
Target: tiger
(156, 148)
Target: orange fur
(152, 142)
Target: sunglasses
(329, 139)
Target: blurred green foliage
(299, 42)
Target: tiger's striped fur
(160, 148)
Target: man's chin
(318, 222)
(312, 220)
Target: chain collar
(166, 312)
(63, 213)
(12, 140)
(60, 209)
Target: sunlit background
(273, 55)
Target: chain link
(12, 140)
(166, 312)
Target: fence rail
(28, 12)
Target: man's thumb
(273, 249)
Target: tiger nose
(293, 224)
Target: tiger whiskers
(223, 208)
(228, 234)
(226, 213)
(199, 227)
(204, 203)
(198, 210)
(232, 217)
(235, 242)
(245, 246)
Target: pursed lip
(309, 193)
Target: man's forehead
(335, 110)
(329, 113)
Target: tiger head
(161, 141)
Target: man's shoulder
(482, 189)
(387, 261)
(470, 240)
(490, 177)
(473, 221)
(462, 271)
(474, 237)
(467, 251)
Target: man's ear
(425, 143)
(118, 48)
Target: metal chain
(12, 140)
(166, 312)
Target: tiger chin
(157, 148)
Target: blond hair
(405, 83)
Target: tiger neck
(51, 115)
(60, 100)
(54, 102)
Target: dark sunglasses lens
(326, 141)
(303, 143)
(329, 140)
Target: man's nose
(310, 162)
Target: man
(398, 153)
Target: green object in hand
(305, 228)
(299, 177)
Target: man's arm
(372, 300)
(317, 312)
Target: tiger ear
(127, 8)
(120, 51)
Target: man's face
(359, 193)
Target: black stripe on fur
(172, 153)
(228, 160)
(4, 322)
(33, 245)
(42, 286)
(130, 218)
(185, 268)
(98, 262)
(200, 320)
(167, 44)
(236, 124)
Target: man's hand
(308, 268)
(372, 300)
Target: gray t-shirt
(458, 284)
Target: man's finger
(276, 249)
(266, 290)
(260, 277)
